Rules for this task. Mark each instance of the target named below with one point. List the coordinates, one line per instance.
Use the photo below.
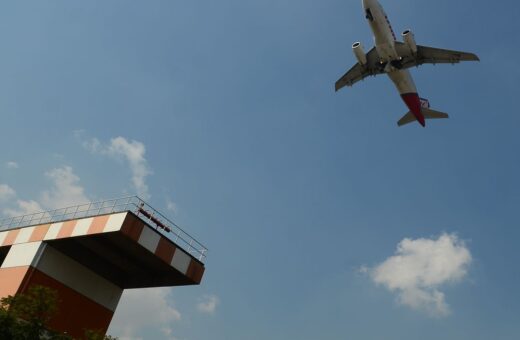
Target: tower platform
(90, 253)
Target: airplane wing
(359, 72)
(431, 55)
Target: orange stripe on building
(39, 232)
(67, 228)
(11, 279)
(98, 224)
(165, 250)
(195, 271)
(132, 227)
(11, 237)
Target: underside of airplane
(394, 58)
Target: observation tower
(90, 253)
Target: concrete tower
(90, 253)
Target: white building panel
(24, 235)
(115, 222)
(181, 261)
(82, 227)
(3, 235)
(149, 239)
(23, 254)
(53, 231)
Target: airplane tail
(426, 112)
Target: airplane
(394, 58)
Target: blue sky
(292, 187)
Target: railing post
(76, 212)
(189, 248)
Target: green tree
(31, 312)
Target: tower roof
(124, 240)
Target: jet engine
(409, 40)
(359, 53)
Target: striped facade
(89, 262)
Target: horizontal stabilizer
(407, 118)
(426, 112)
(432, 114)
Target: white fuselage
(384, 40)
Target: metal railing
(132, 203)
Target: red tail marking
(413, 102)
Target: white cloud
(23, 208)
(12, 165)
(419, 268)
(134, 154)
(140, 309)
(208, 304)
(93, 145)
(65, 190)
(6, 192)
(168, 334)
(171, 206)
